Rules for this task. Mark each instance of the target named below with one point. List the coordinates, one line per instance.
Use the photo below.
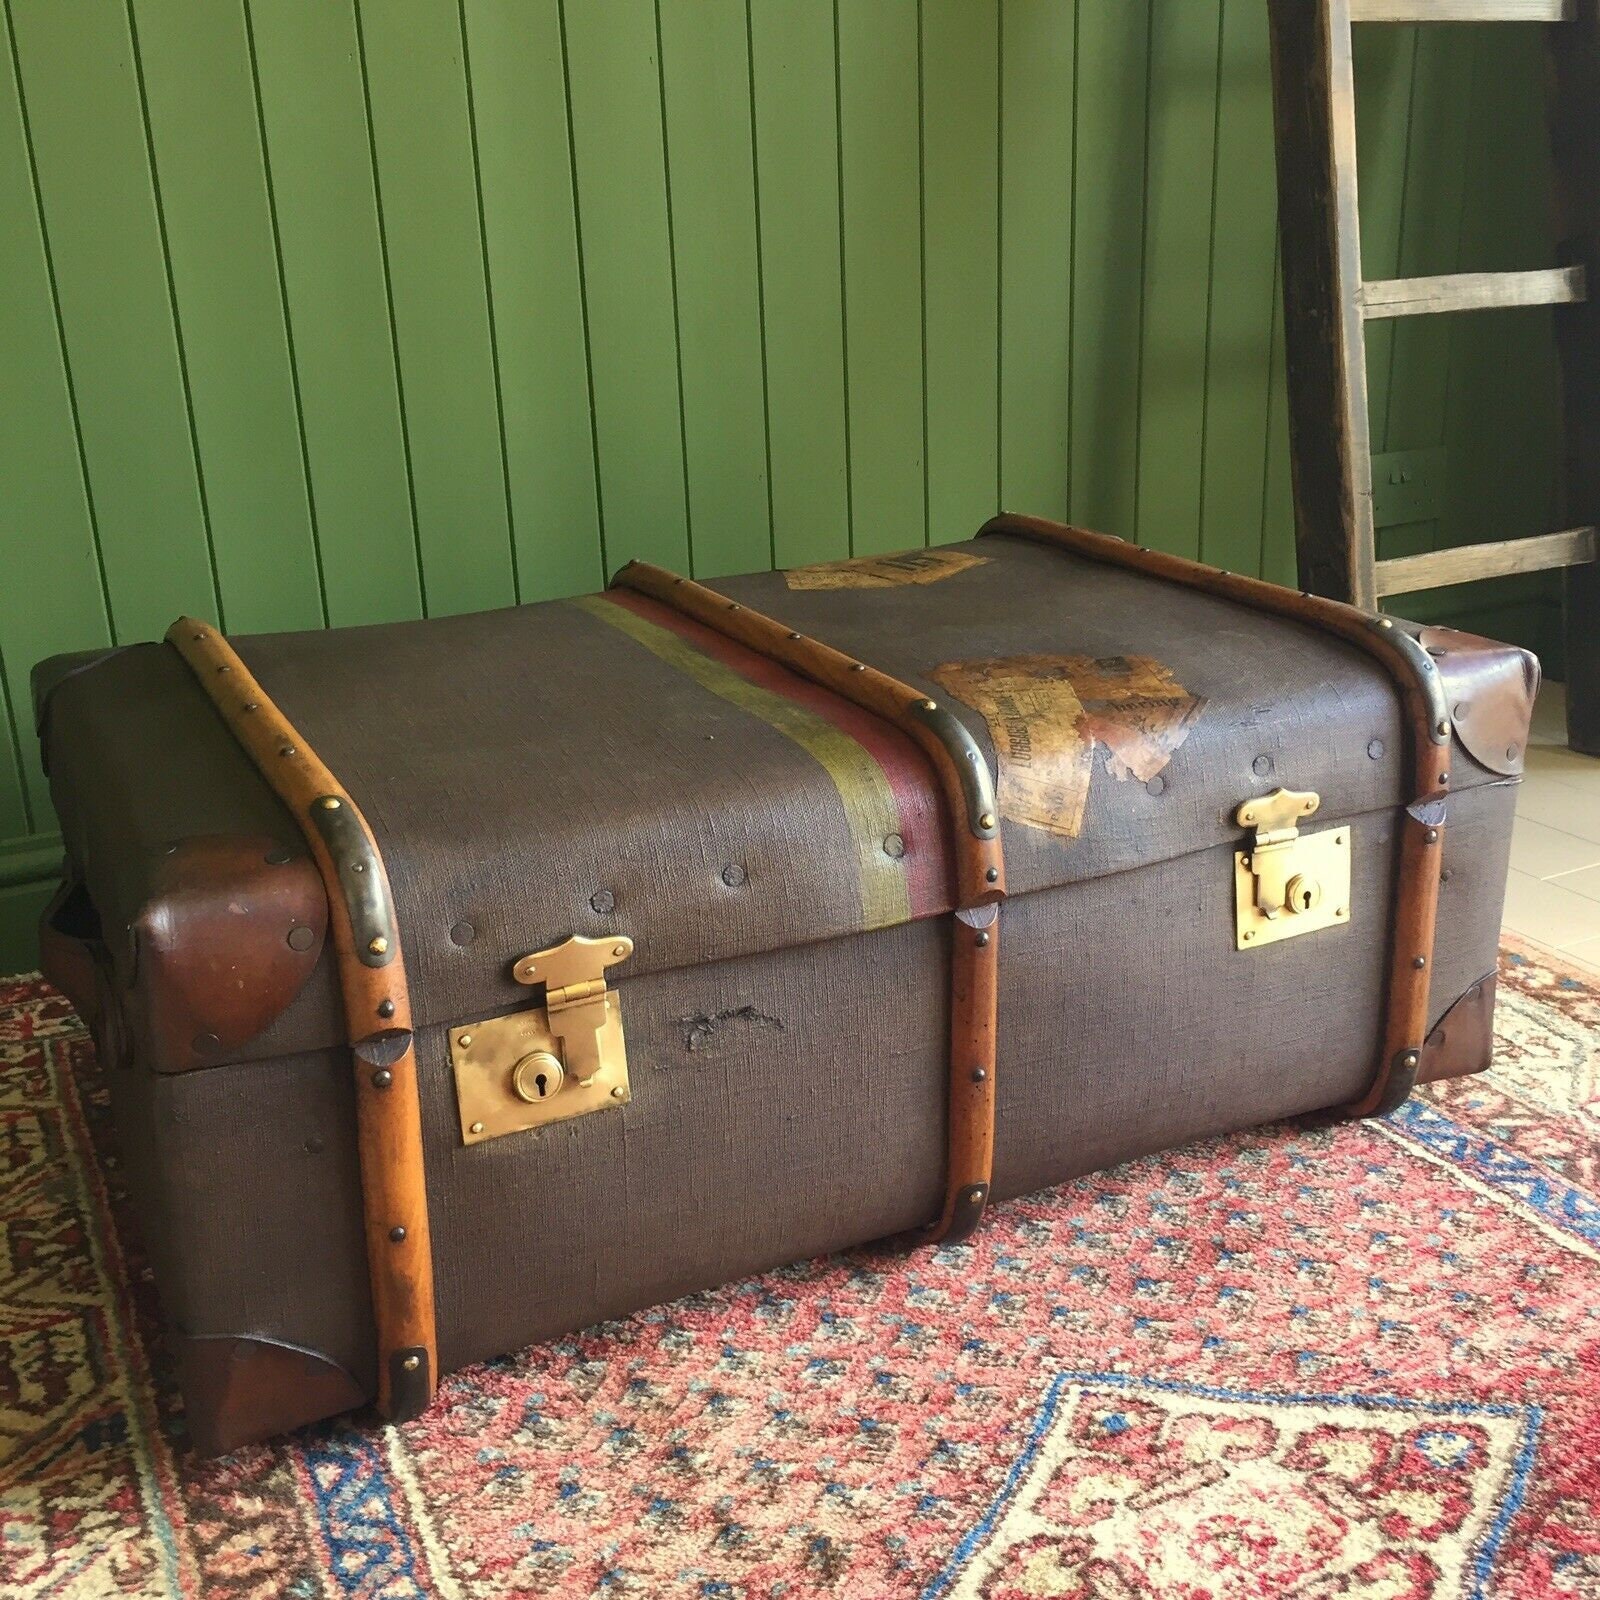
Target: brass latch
(1287, 882)
(551, 1062)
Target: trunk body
(780, 862)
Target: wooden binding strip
(372, 977)
(1427, 720)
(976, 851)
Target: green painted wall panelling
(333, 311)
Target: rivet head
(979, 1074)
(251, 705)
(224, 669)
(1384, 622)
(1432, 836)
(397, 1235)
(411, 1363)
(477, 1127)
(733, 874)
(794, 635)
(378, 946)
(286, 750)
(1511, 752)
(330, 802)
(618, 1092)
(463, 933)
(992, 876)
(382, 1078)
(279, 858)
(1261, 766)
(856, 666)
(603, 902)
(1459, 710)
(1442, 727)
(930, 705)
(1419, 962)
(464, 1040)
(986, 820)
(1409, 1059)
(734, 606)
(1444, 778)
(205, 1043)
(301, 938)
(894, 846)
(386, 1008)
(981, 940)
(1375, 749)
(619, 951)
(1157, 785)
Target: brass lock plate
(548, 1063)
(1288, 883)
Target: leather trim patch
(1490, 689)
(1047, 713)
(1462, 1041)
(233, 928)
(884, 572)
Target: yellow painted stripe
(864, 790)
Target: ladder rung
(1468, 563)
(1462, 10)
(1470, 291)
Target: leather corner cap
(1490, 688)
(239, 1389)
(231, 930)
(1462, 1042)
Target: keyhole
(537, 1077)
(1303, 893)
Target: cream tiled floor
(1553, 895)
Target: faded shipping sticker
(1046, 714)
(884, 572)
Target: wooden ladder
(1327, 305)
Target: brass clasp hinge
(1287, 882)
(550, 1062)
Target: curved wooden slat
(372, 977)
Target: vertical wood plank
(47, 527)
(320, 165)
(427, 190)
(1180, 173)
(878, 120)
(1575, 59)
(1279, 561)
(1108, 262)
(1434, 186)
(1313, 95)
(1504, 426)
(1385, 67)
(961, 253)
(1038, 83)
(797, 168)
(1243, 249)
(627, 265)
(519, 91)
(711, 183)
(200, 94)
(16, 817)
(81, 94)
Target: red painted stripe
(917, 796)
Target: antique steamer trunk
(463, 982)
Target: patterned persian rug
(1349, 1361)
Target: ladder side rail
(1313, 92)
(1575, 139)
